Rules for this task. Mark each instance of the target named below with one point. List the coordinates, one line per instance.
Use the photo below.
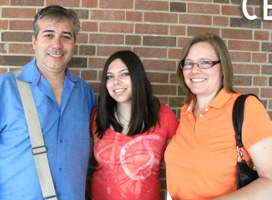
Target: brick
(267, 24)
(116, 27)
(119, 4)
(267, 69)
(3, 24)
(164, 89)
(203, 8)
(159, 41)
(242, 80)
(3, 70)
(261, 35)
(134, 16)
(267, 47)
(95, 86)
(240, 57)
(4, 2)
(3, 48)
(89, 26)
(177, 30)
(220, 21)
(177, 7)
(246, 69)
(270, 81)
(192, 31)
(75, 72)
(266, 92)
(151, 52)
(237, 34)
(108, 50)
(243, 45)
(221, 1)
(21, 25)
(160, 65)
(260, 81)
(174, 78)
(133, 40)
(232, 11)
(89, 75)
(182, 42)
(87, 50)
(259, 57)
(17, 36)
(151, 29)
(270, 58)
(244, 23)
(247, 90)
(106, 39)
(176, 101)
(152, 5)
(161, 17)
(90, 3)
(163, 99)
(174, 53)
(195, 19)
(21, 49)
(77, 62)
(15, 60)
(107, 15)
(64, 3)
(156, 77)
(27, 2)
(270, 104)
(96, 62)
(82, 38)
(18, 13)
(82, 14)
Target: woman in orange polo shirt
(201, 159)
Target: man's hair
(56, 12)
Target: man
(63, 103)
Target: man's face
(54, 45)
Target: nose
(116, 81)
(57, 43)
(195, 67)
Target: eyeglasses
(204, 64)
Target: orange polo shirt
(201, 159)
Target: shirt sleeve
(257, 124)
(169, 120)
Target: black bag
(245, 173)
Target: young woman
(130, 130)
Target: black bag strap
(238, 117)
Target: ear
(33, 42)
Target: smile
(56, 55)
(119, 90)
(198, 79)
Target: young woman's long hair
(144, 107)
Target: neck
(202, 102)
(124, 110)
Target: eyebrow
(63, 32)
(118, 71)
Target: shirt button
(60, 141)
(60, 169)
(200, 115)
(206, 109)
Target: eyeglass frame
(213, 63)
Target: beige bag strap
(39, 150)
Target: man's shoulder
(6, 77)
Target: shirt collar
(219, 101)
(34, 78)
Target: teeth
(198, 79)
(56, 56)
(119, 90)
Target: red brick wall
(156, 30)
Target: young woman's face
(119, 82)
(203, 82)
